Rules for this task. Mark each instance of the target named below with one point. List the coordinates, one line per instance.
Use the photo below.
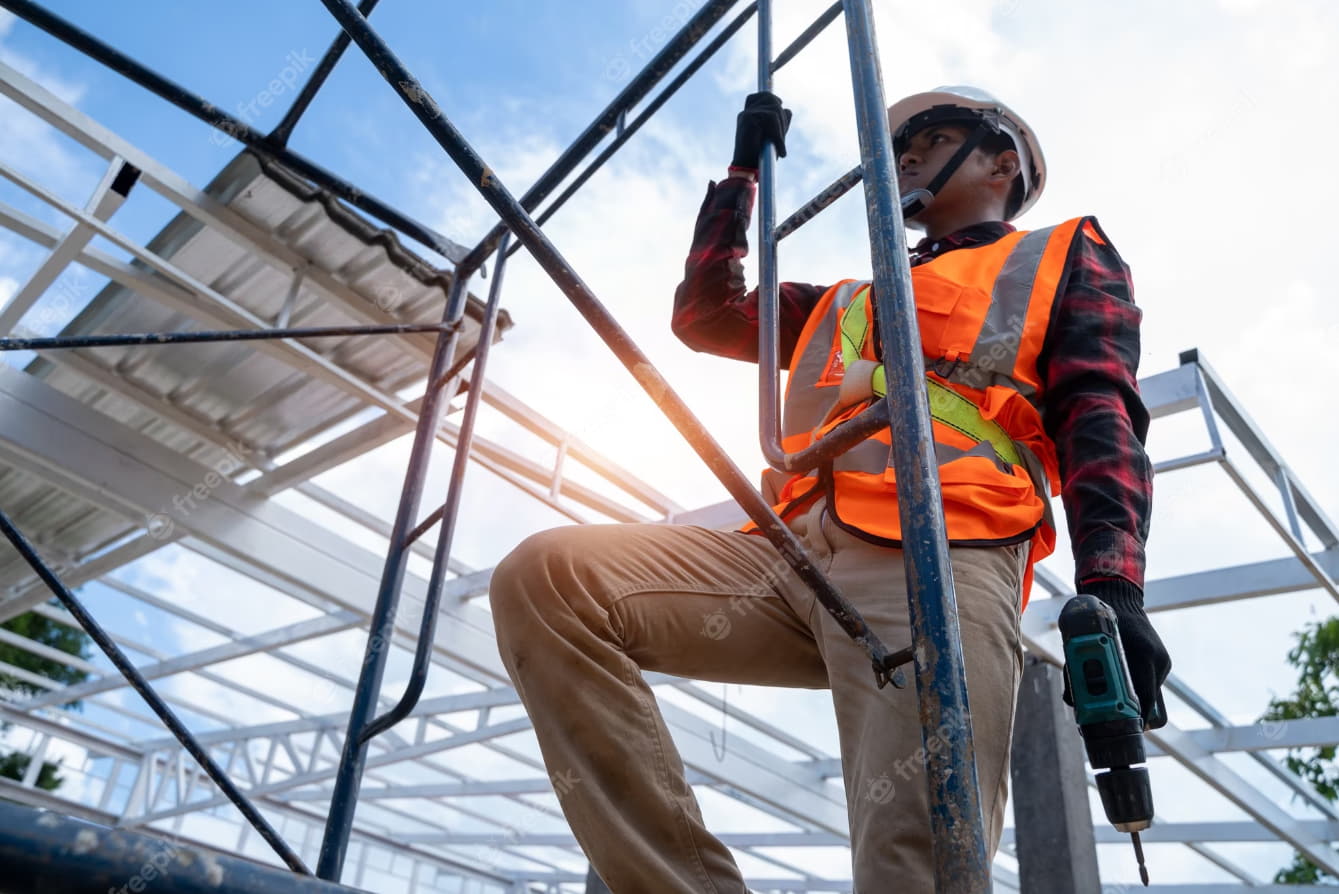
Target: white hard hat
(960, 104)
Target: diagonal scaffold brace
(960, 860)
(137, 681)
(515, 217)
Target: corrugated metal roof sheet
(239, 390)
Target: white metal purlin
(265, 246)
(176, 189)
(101, 206)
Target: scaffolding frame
(1193, 749)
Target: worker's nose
(907, 160)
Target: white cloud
(25, 141)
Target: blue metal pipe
(769, 380)
(279, 136)
(806, 37)
(960, 859)
(54, 854)
(809, 210)
(625, 133)
(418, 675)
(609, 120)
(150, 696)
(576, 290)
(344, 798)
(769, 393)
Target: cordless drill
(1108, 714)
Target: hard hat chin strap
(919, 199)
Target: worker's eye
(937, 137)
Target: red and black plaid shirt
(1091, 403)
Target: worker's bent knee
(541, 595)
(537, 570)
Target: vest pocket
(947, 313)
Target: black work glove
(763, 119)
(1145, 655)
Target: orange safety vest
(983, 313)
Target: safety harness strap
(863, 379)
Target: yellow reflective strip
(952, 409)
(946, 405)
(855, 326)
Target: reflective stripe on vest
(1002, 333)
(805, 404)
(947, 406)
(983, 314)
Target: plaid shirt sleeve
(1093, 412)
(713, 309)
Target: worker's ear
(1006, 166)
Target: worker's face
(975, 189)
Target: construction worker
(1031, 345)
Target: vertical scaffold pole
(768, 286)
(960, 859)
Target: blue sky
(509, 65)
(1189, 129)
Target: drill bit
(1139, 855)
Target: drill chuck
(1127, 798)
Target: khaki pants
(581, 611)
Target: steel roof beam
(1262, 451)
(333, 721)
(193, 661)
(1270, 577)
(107, 197)
(203, 303)
(1234, 832)
(495, 457)
(97, 459)
(389, 755)
(30, 590)
(68, 442)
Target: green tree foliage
(41, 629)
(14, 764)
(1316, 657)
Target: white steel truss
(428, 821)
